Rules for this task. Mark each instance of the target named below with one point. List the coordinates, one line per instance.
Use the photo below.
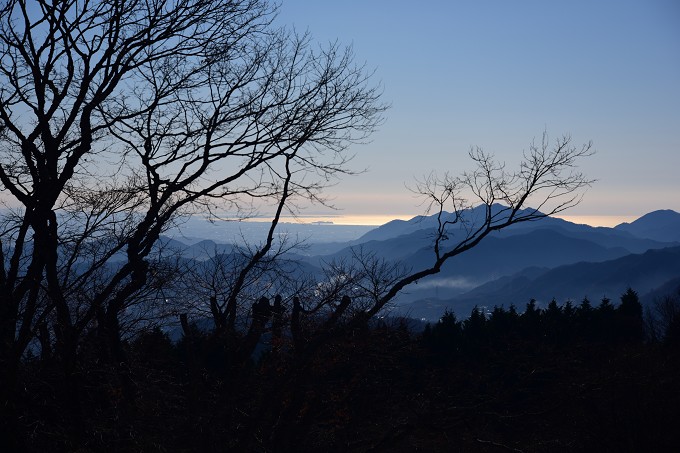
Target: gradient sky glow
(495, 74)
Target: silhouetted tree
(445, 336)
(603, 321)
(531, 320)
(502, 326)
(153, 348)
(474, 329)
(545, 183)
(553, 323)
(667, 320)
(119, 117)
(630, 323)
(584, 319)
(569, 310)
(672, 334)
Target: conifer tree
(630, 324)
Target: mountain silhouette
(547, 243)
(416, 231)
(646, 273)
(541, 259)
(662, 225)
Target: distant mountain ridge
(546, 243)
(646, 273)
(541, 259)
(396, 228)
(662, 225)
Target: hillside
(643, 272)
(662, 225)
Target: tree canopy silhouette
(119, 117)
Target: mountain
(413, 232)
(669, 289)
(396, 228)
(201, 250)
(662, 225)
(541, 259)
(646, 273)
(496, 257)
(546, 243)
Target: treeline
(560, 378)
(558, 325)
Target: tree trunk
(11, 432)
(69, 389)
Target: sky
(496, 74)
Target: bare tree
(662, 318)
(119, 117)
(229, 278)
(466, 209)
(116, 117)
(470, 207)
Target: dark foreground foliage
(559, 379)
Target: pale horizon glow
(340, 219)
(599, 220)
(381, 219)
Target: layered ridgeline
(546, 259)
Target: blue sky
(495, 74)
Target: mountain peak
(660, 215)
(471, 216)
(661, 225)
